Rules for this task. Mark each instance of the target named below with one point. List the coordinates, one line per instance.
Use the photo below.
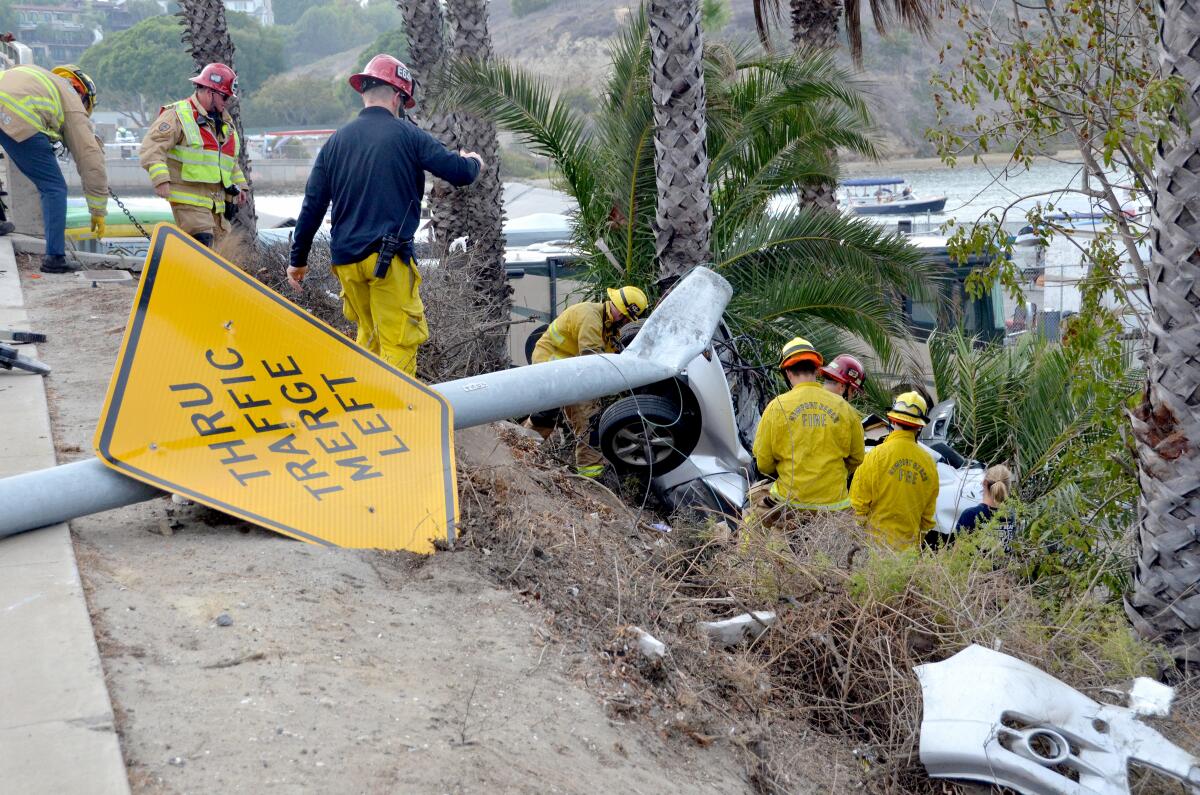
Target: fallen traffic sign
(231, 395)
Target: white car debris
(993, 718)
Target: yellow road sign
(226, 392)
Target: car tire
(700, 501)
(647, 435)
(532, 340)
(628, 332)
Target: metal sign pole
(675, 333)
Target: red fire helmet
(388, 70)
(219, 78)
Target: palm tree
(476, 212)
(482, 204)
(771, 123)
(815, 23)
(207, 39)
(425, 24)
(1165, 604)
(683, 208)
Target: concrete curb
(57, 732)
(28, 244)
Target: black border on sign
(117, 390)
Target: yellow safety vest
(201, 157)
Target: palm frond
(524, 104)
(629, 54)
(769, 306)
(767, 14)
(1011, 402)
(914, 15)
(823, 242)
(804, 104)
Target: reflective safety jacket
(34, 100)
(812, 441)
(895, 490)
(195, 153)
(580, 329)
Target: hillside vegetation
(567, 42)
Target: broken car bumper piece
(993, 718)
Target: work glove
(98, 226)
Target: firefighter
(895, 491)
(373, 173)
(844, 376)
(191, 154)
(582, 329)
(810, 440)
(38, 110)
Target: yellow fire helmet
(80, 81)
(629, 301)
(799, 350)
(909, 410)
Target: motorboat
(885, 196)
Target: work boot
(204, 239)
(6, 227)
(57, 263)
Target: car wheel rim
(642, 445)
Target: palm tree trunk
(207, 39)
(1165, 603)
(815, 23)
(482, 204)
(683, 216)
(426, 27)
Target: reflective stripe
(594, 471)
(185, 155)
(196, 200)
(156, 170)
(34, 108)
(840, 505)
(31, 118)
(53, 102)
(95, 203)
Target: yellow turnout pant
(776, 515)
(388, 311)
(588, 460)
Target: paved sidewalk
(56, 720)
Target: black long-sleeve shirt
(373, 172)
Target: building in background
(57, 34)
(116, 15)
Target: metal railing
(14, 53)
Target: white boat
(885, 196)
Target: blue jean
(35, 157)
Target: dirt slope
(341, 671)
